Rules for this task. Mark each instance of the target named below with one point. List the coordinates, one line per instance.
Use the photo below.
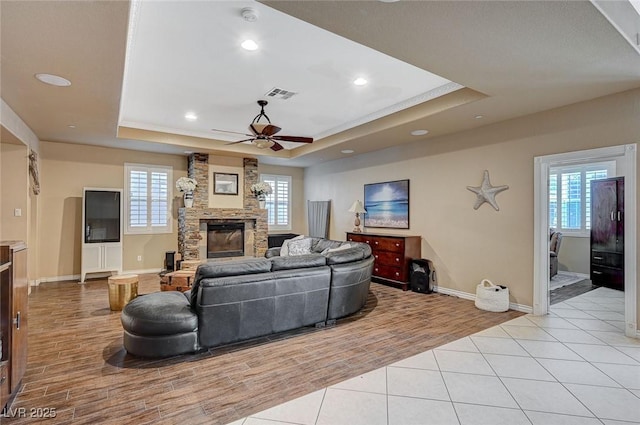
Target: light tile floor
(574, 366)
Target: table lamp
(357, 208)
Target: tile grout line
(499, 377)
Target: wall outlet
(139, 257)
(17, 212)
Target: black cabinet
(607, 232)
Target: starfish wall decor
(486, 193)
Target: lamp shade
(357, 207)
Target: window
(279, 202)
(570, 195)
(148, 197)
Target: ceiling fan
(263, 135)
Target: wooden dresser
(607, 232)
(392, 255)
(14, 292)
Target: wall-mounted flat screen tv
(102, 216)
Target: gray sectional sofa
(236, 300)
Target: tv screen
(101, 216)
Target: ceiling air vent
(276, 93)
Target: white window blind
(148, 195)
(570, 195)
(278, 204)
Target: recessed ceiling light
(479, 117)
(419, 132)
(190, 116)
(249, 45)
(347, 151)
(71, 126)
(53, 80)
(359, 81)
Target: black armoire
(607, 232)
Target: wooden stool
(180, 280)
(122, 289)
(190, 264)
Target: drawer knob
(376, 242)
(397, 273)
(367, 241)
(397, 244)
(397, 260)
(376, 257)
(376, 269)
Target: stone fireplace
(194, 223)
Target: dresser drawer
(385, 258)
(389, 272)
(607, 276)
(388, 244)
(611, 259)
(356, 238)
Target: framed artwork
(387, 204)
(225, 184)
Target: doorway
(627, 154)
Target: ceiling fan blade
(270, 130)
(296, 139)
(240, 141)
(276, 146)
(227, 131)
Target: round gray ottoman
(160, 324)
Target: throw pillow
(339, 248)
(300, 247)
(284, 249)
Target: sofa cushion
(336, 249)
(298, 262)
(324, 244)
(228, 268)
(358, 251)
(233, 268)
(284, 249)
(300, 247)
(159, 313)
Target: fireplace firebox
(225, 240)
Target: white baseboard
(472, 297)
(37, 282)
(76, 277)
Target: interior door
(604, 215)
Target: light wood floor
(78, 366)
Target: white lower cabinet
(101, 257)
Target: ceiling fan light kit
(263, 135)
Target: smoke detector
(249, 14)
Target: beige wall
(65, 170)
(14, 186)
(468, 245)
(298, 207)
(575, 255)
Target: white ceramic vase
(188, 199)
